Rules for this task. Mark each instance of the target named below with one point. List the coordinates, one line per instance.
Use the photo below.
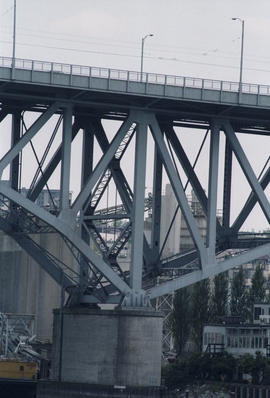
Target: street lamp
(242, 51)
(143, 40)
(14, 34)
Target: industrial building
(25, 288)
(235, 336)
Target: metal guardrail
(133, 76)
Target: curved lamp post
(242, 51)
(142, 51)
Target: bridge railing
(133, 76)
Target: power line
(174, 59)
(168, 49)
(105, 43)
(128, 44)
(72, 49)
(104, 40)
(6, 11)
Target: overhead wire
(6, 11)
(185, 187)
(198, 52)
(119, 43)
(132, 45)
(39, 166)
(174, 59)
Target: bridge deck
(119, 88)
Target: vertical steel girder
(212, 194)
(16, 133)
(156, 206)
(144, 256)
(227, 186)
(122, 185)
(138, 207)
(86, 170)
(66, 161)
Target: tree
(239, 295)
(257, 291)
(254, 366)
(258, 286)
(180, 318)
(200, 302)
(223, 366)
(219, 297)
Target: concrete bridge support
(108, 347)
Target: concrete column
(107, 347)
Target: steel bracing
(58, 101)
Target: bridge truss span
(101, 141)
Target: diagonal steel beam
(36, 126)
(52, 165)
(37, 254)
(250, 204)
(67, 232)
(179, 261)
(209, 271)
(44, 156)
(177, 188)
(102, 165)
(247, 169)
(189, 170)
(118, 176)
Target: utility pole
(14, 36)
(242, 52)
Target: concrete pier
(55, 389)
(107, 347)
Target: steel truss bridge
(68, 99)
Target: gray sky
(191, 38)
